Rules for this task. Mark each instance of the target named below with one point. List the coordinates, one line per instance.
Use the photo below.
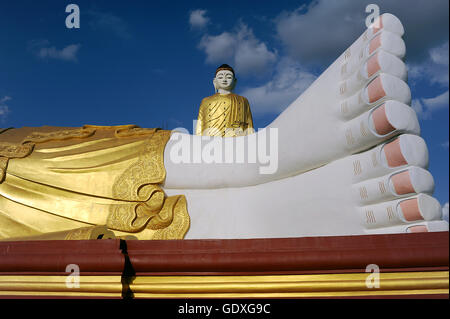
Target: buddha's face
(224, 80)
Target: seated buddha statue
(224, 113)
(350, 162)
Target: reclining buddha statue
(349, 161)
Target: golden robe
(224, 115)
(65, 183)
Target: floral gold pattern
(148, 169)
(10, 150)
(179, 225)
(3, 167)
(140, 182)
(41, 137)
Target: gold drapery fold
(82, 177)
(10, 150)
(225, 115)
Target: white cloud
(425, 107)
(320, 31)
(241, 49)
(433, 71)
(68, 53)
(4, 109)
(438, 102)
(445, 144)
(218, 48)
(289, 81)
(445, 209)
(435, 68)
(198, 19)
(43, 50)
(439, 55)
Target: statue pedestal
(411, 266)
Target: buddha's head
(224, 81)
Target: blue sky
(151, 62)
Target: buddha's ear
(215, 84)
(234, 83)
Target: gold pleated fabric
(225, 115)
(64, 179)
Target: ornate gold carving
(3, 167)
(172, 221)
(124, 218)
(165, 216)
(41, 137)
(134, 216)
(180, 224)
(148, 169)
(134, 131)
(140, 183)
(109, 127)
(11, 150)
(129, 130)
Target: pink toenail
(394, 154)
(381, 122)
(372, 65)
(402, 183)
(378, 26)
(376, 90)
(418, 229)
(410, 209)
(375, 44)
